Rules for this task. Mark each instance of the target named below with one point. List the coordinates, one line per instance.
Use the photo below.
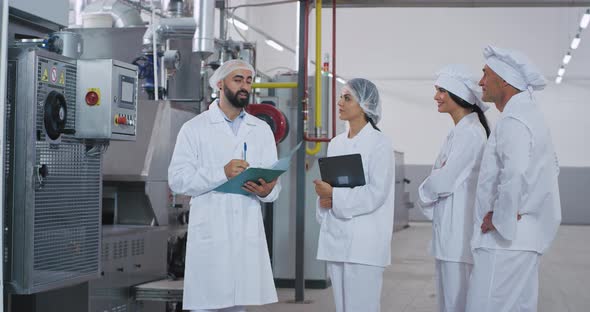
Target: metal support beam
(300, 180)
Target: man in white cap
(517, 209)
(227, 261)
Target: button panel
(124, 120)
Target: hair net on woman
(226, 69)
(366, 93)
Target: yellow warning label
(62, 79)
(45, 76)
(93, 95)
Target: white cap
(515, 68)
(457, 79)
(226, 69)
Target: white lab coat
(447, 197)
(518, 175)
(359, 226)
(448, 194)
(227, 261)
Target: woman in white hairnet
(447, 196)
(357, 223)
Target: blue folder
(234, 185)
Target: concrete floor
(408, 284)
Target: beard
(235, 100)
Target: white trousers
(230, 309)
(452, 279)
(503, 281)
(356, 287)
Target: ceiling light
(585, 19)
(342, 81)
(274, 45)
(561, 71)
(238, 24)
(575, 42)
(567, 57)
(558, 79)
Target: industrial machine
(53, 194)
(59, 122)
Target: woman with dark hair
(357, 223)
(447, 196)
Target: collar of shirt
(234, 124)
(241, 115)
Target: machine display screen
(126, 90)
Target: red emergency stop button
(121, 120)
(91, 98)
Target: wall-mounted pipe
(204, 15)
(318, 78)
(122, 14)
(316, 139)
(334, 68)
(274, 85)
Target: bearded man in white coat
(227, 261)
(517, 210)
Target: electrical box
(106, 100)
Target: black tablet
(342, 171)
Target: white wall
(400, 49)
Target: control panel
(106, 100)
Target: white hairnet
(366, 93)
(515, 68)
(226, 69)
(457, 79)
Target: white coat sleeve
(269, 158)
(185, 176)
(350, 202)
(514, 143)
(442, 182)
(320, 213)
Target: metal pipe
(318, 78)
(274, 85)
(305, 72)
(333, 68)
(180, 27)
(318, 64)
(78, 8)
(155, 53)
(123, 14)
(300, 176)
(204, 15)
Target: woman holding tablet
(357, 223)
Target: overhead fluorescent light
(342, 81)
(558, 79)
(561, 71)
(575, 42)
(585, 19)
(275, 45)
(567, 57)
(238, 24)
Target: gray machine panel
(52, 220)
(114, 116)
